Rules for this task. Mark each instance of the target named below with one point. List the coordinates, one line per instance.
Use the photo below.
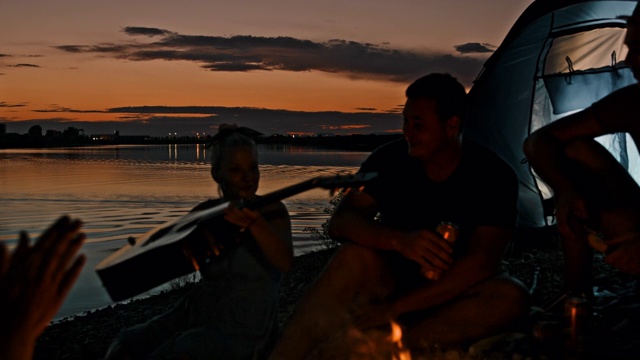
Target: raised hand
(623, 252)
(34, 281)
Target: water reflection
(121, 191)
(195, 153)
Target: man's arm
(353, 220)
(486, 248)
(552, 152)
(546, 148)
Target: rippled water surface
(122, 191)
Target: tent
(559, 57)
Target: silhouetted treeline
(360, 142)
(35, 138)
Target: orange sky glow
(80, 63)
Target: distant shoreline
(355, 142)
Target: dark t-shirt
(483, 190)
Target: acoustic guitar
(179, 248)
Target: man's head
(434, 114)
(632, 40)
(449, 95)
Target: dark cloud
(25, 65)
(235, 66)
(352, 59)
(4, 55)
(475, 48)
(186, 120)
(57, 109)
(7, 105)
(74, 48)
(136, 30)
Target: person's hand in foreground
(34, 282)
(622, 252)
(569, 204)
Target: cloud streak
(25, 65)
(241, 53)
(189, 120)
(475, 48)
(4, 104)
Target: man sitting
(390, 241)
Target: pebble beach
(87, 336)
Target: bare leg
(578, 261)
(613, 200)
(323, 311)
(485, 309)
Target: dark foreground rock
(615, 333)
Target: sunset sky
(281, 66)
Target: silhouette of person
(232, 312)
(34, 282)
(597, 201)
(389, 239)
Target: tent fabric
(559, 57)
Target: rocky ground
(536, 260)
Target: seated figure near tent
(597, 201)
(390, 242)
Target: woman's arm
(271, 228)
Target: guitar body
(182, 246)
(148, 269)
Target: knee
(356, 259)
(514, 296)
(519, 294)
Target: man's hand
(241, 216)
(427, 248)
(623, 252)
(35, 280)
(569, 205)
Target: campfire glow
(400, 353)
(371, 344)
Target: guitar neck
(281, 194)
(322, 182)
(271, 197)
(159, 256)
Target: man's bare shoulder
(619, 110)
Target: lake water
(128, 190)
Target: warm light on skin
(401, 353)
(396, 333)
